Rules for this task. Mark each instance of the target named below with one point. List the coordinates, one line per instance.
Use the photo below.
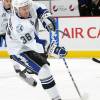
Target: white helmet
(20, 3)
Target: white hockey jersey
(4, 15)
(21, 32)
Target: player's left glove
(49, 23)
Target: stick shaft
(76, 87)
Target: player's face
(7, 4)
(24, 11)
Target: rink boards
(80, 37)
(71, 54)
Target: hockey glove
(56, 51)
(49, 24)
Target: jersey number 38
(26, 38)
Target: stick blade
(96, 60)
(85, 96)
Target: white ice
(86, 74)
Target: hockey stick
(85, 96)
(96, 60)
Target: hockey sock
(48, 83)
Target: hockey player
(22, 42)
(5, 6)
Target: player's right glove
(56, 51)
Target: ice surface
(86, 74)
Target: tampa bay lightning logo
(19, 28)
